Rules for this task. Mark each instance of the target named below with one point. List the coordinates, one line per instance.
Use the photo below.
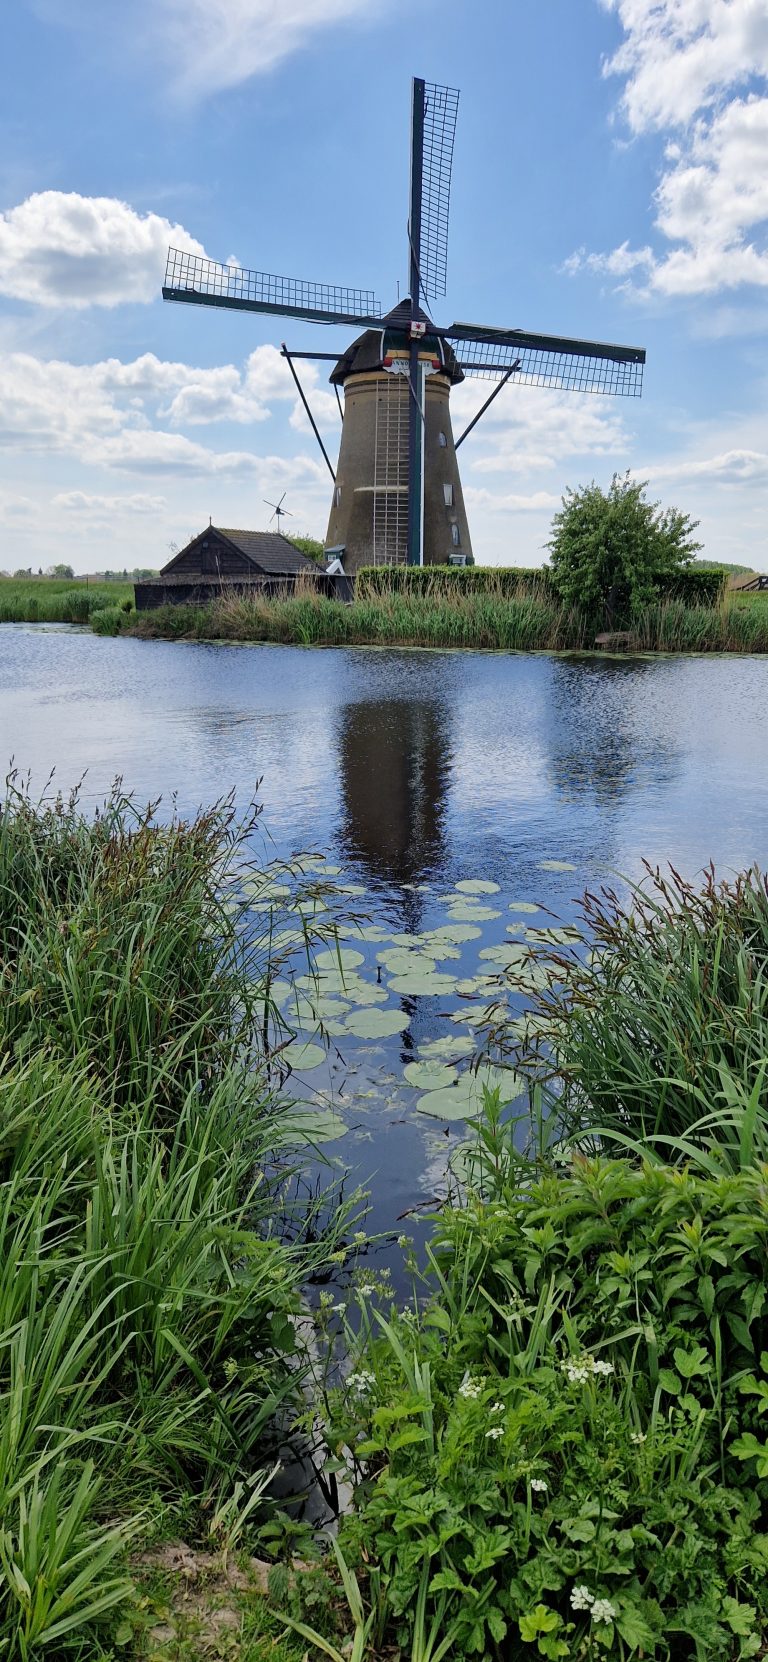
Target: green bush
(695, 585)
(608, 549)
(109, 620)
(560, 1452)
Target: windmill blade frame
(198, 281)
(549, 360)
(440, 110)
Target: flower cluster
(581, 1369)
(539, 1485)
(495, 1431)
(600, 1610)
(637, 1437)
(471, 1389)
(360, 1382)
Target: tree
(608, 548)
(60, 571)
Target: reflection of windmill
(397, 491)
(278, 511)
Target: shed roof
(268, 551)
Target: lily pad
(465, 912)
(429, 1076)
(564, 935)
(556, 865)
(464, 1100)
(376, 1024)
(399, 962)
(313, 1125)
(302, 1055)
(417, 983)
(453, 1045)
(455, 932)
(476, 885)
(350, 888)
(523, 906)
(509, 952)
(345, 958)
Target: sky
(610, 182)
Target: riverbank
(556, 1440)
(59, 599)
(524, 622)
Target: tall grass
(493, 618)
(58, 600)
(148, 1295)
(660, 1039)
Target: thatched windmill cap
(370, 350)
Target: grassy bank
(58, 599)
(529, 620)
(559, 1446)
(150, 1266)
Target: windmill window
(442, 440)
(448, 495)
(455, 538)
(337, 496)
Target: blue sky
(610, 181)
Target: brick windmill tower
(397, 495)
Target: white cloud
(113, 414)
(219, 43)
(699, 69)
(87, 503)
(536, 502)
(678, 56)
(60, 249)
(730, 467)
(531, 429)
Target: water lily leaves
(429, 1076)
(399, 962)
(566, 935)
(452, 1045)
(376, 1024)
(523, 906)
(265, 888)
(313, 1125)
(465, 912)
(509, 952)
(345, 958)
(454, 932)
(476, 885)
(365, 932)
(464, 1100)
(473, 1017)
(350, 888)
(556, 865)
(302, 1055)
(418, 982)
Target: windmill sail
(203, 282)
(549, 360)
(441, 106)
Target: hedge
(696, 586)
(463, 579)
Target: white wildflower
(403, 1241)
(539, 1484)
(366, 1289)
(582, 1599)
(471, 1389)
(637, 1437)
(579, 1369)
(360, 1238)
(603, 1367)
(360, 1382)
(602, 1610)
(495, 1431)
(339, 1309)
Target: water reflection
(394, 769)
(601, 743)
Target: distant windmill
(397, 491)
(278, 510)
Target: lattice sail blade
(549, 360)
(202, 282)
(441, 106)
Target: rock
(614, 640)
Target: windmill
(397, 493)
(278, 511)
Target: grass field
(57, 599)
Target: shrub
(558, 1453)
(608, 548)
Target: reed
(493, 618)
(150, 1266)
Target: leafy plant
(608, 547)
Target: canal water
(461, 801)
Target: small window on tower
(442, 440)
(448, 495)
(337, 496)
(455, 538)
